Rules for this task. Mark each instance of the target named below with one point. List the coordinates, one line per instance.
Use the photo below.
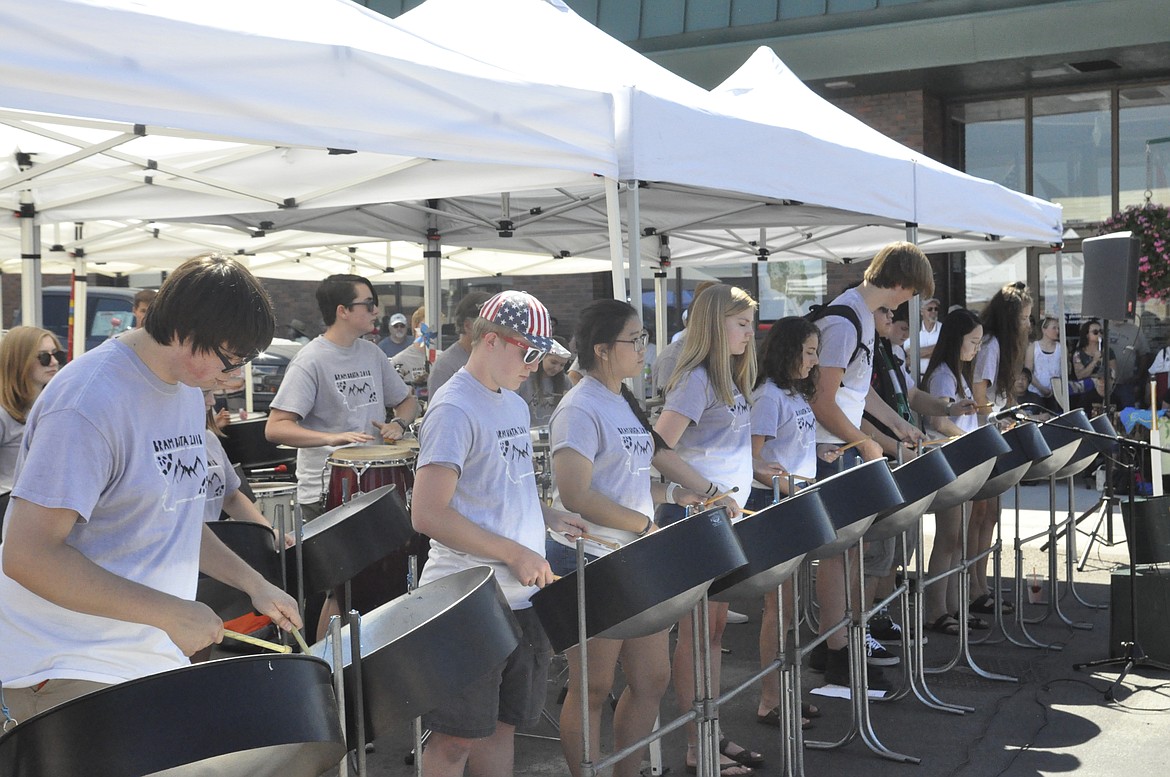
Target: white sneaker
(736, 617)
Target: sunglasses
(531, 354)
(45, 357)
(370, 305)
(229, 366)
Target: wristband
(670, 489)
(649, 526)
(402, 423)
(712, 490)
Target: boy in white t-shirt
(475, 496)
(104, 537)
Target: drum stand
(963, 570)
(856, 621)
(338, 662)
(1054, 528)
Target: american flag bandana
(522, 312)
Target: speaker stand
(1135, 657)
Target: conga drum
(253, 716)
(360, 469)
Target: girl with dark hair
(603, 448)
(783, 441)
(1087, 381)
(949, 376)
(1007, 322)
(707, 415)
(545, 387)
(29, 358)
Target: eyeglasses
(931, 309)
(229, 366)
(369, 304)
(531, 354)
(638, 342)
(45, 357)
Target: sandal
(772, 717)
(731, 768)
(946, 624)
(985, 605)
(743, 757)
(974, 622)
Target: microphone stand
(1134, 657)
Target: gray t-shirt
(483, 436)
(599, 425)
(838, 340)
(664, 364)
(11, 432)
(335, 389)
(987, 368)
(448, 363)
(132, 464)
(943, 384)
(222, 478)
(541, 407)
(718, 442)
(788, 423)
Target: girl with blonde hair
(29, 358)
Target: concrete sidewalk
(1054, 720)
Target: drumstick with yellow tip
(853, 444)
(717, 497)
(273, 646)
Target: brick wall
(564, 295)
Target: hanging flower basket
(1150, 223)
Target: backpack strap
(817, 312)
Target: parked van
(109, 311)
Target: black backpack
(817, 312)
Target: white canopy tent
(218, 106)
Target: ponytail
(659, 443)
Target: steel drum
(775, 540)
(919, 480)
(252, 716)
(1063, 430)
(645, 586)
(1062, 443)
(972, 458)
(1102, 425)
(274, 497)
(1027, 448)
(256, 545)
(854, 498)
(342, 542)
(245, 443)
(424, 647)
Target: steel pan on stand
(853, 498)
(972, 457)
(424, 647)
(1028, 447)
(252, 716)
(245, 444)
(256, 545)
(647, 585)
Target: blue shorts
(512, 693)
(561, 558)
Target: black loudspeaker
(1111, 276)
(1153, 615)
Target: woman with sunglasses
(1087, 383)
(603, 448)
(706, 416)
(544, 388)
(29, 358)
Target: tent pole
(915, 317)
(30, 261)
(432, 274)
(614, 218)
(634, 236)
(1060, 316)
(80, 293)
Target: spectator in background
(544, 388)
(396, 340)
(414, 362)
(29, 357)
(456, 355)
(1129, 345)
(142, 302)
(928, 334)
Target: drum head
(401, 452)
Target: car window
(110, 317)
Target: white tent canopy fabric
(320, 74)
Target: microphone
(1016, 412)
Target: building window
(1072, 150)
(1144, 144)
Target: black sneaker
(884, 630)
(816, 657)
(876, 655)
(877, 680)
(837, 667)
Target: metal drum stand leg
(1019, 618)
(1070, 538)
(860, 724)
(1054, 529)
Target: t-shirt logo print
(357, 389)
(639, 448)
(181, 462)
(515, 446)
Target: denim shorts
(561, 558)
